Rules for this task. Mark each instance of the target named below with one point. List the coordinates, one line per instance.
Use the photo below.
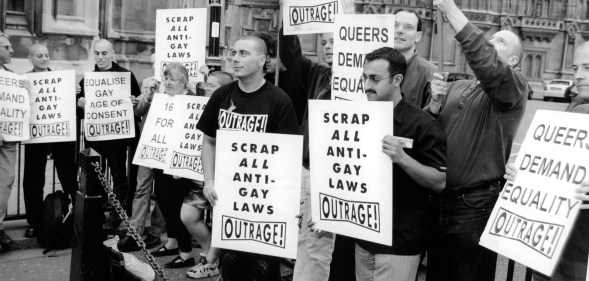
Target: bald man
(480, 118)
(114, 151)
(250, 97)
(64, 157)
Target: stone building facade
(550, 29)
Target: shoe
(127, 244)
(179, 262)
(5, 240)
(152, 241)
(203, 269)
(163, 251)
(30, 233)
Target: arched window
(529, 66)
(538, 65)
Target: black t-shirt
(411, 201)
(266, 110)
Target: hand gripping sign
(108, 113)
(535, 213)
(351, 178)
(15, 109)
(53, 106)
(257, 180)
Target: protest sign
(534, 214)
(186, 143)
(351, 178)
(354, 37)
(108, 113)
(15, 109)
(53, 106)
(180, 36)
(310, 16)
(257, 181)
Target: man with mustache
(480, 118)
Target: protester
(408, 32)
(114, 151)
(418, 170)
(480, 118)
(249, 96)
(314, 250)
(572, 265)
(195, 203)
(170, 190)
(64, 159)
(142, 202)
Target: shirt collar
(399, 111)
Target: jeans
(142, 204)
(381, 267)
(64, 159)
(7, 175)
(455, 253)
(569, 268)
(314, 249)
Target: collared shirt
(481, 116)
(416, 81)
(410, 200)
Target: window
(66, 7)
(15, 5)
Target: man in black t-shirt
(249, 104)
(418, 169)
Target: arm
(208, 164)
(80, 100)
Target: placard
(53, 106)
(534, 214)
(15, 110)
(310, 16)
(351, 178)
(258, 183)
(108, 112)
(354, 37)
(180, 36)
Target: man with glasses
(419, 72)
(418, 169)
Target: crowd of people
(444, 187)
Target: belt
(474, 188)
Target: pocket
(481, 200)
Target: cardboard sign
(354, 37)
(53, 106)
(534, 214)
(180, 36)
(258, 183)
(310, 16)
(15, 109)
(351, 178)
(108, 113)
(186, 144)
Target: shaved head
(508, 46)
(103, 54)
(581, 70)
(39, 57)
(103, 43)
(259, 43)
(37, 48)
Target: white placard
(53, 106)
(351, 178)
(180, 36)
(258, 183)
(108, 112)
(15, 109)
(186, 143)
(354, 37)
(310, 16)
(534, 214)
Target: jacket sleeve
(504, 85)
(80, 111)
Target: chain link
(112, 198)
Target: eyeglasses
(171, 79)
(373, 79)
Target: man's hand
(439, 86)
(209, 192)
(81, 102)
(78, 89)
(510, 172)
(582, 193)
(149, 87)
(25, 84)
(393, 147)
(445, 5)
(205, 70)
(134, 100)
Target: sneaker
(151, 241)
(203, 269)
(179, 262)
(127, 244)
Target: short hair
(397, 62)
(4, 35)
(178, 67)
(223, 77)
(261, 45)
(271, 43)
(419, 21)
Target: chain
(112, 198)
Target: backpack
(56, 225)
